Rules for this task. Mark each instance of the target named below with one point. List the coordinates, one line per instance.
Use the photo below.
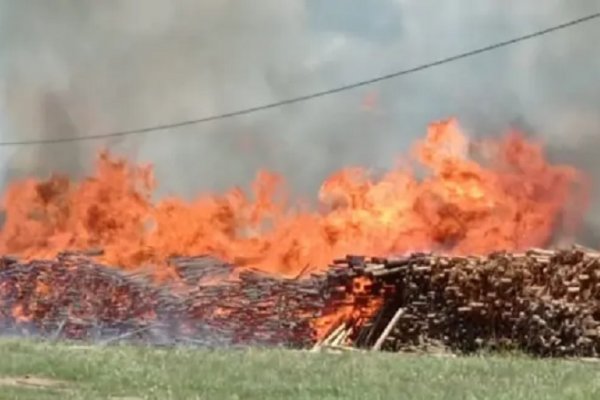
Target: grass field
(31, 370)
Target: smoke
(75, 68)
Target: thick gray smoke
(81, 67)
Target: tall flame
(499, 194)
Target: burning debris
(73, 297)
(451, 194)
(252, 308)
(542, 302)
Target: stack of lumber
(542, 302)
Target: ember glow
(496, 194)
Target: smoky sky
(79, 67)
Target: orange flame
(511, 199)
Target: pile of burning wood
(72, 297)
(246, 307)
(542, 302)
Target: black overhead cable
(311, 96)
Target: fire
(499, 194)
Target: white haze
(81, 67)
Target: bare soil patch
(34, 382)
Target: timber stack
(543, 302)
(211, 303)
(73, 297)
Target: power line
(311, 96)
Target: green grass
(145, 373)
